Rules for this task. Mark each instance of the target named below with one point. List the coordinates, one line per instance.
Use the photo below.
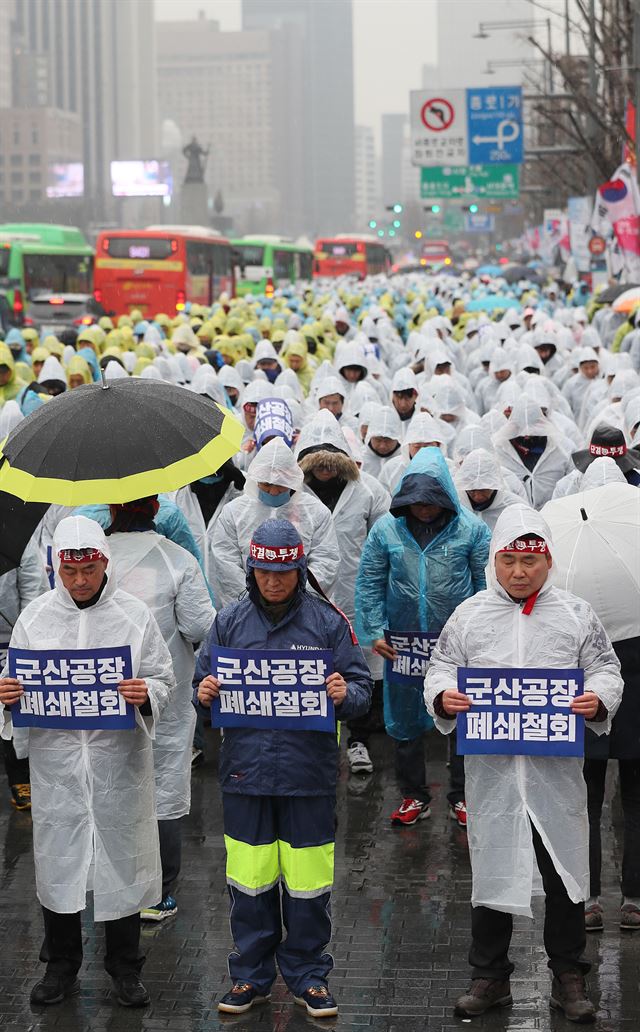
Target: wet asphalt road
(401, 928)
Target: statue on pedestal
(194, 154)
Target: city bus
(350, 255)
(161, 268)
(435, 252)
(266, 262)
(43, 265)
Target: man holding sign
(92, 780)
(527, 806)
(264, 670)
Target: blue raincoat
(405, 587)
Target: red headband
(267, 554)
(80, 555)
(612, 450)
(536, 546)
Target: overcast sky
(392, 40)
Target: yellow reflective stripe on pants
(252, 869)
(307, 871)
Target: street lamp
(486, 28)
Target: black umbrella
(611, 294)
(18, 520)
(515, 273)
(114, 443)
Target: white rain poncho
(93, 795)
(480, 471)
(423, 429)
(20, 586)
(168, 578)
(384, 421)
(631, 418)
(527, 420)
(265, 350)
(442, 397)
(231, 537)
(52, 372)
(603, 470)
(10, 416)
(206, 383)
(506, 794)
(354, 514)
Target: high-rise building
(33, 139)
(219, 87)
(321, 69)
(367, 192)
(96, 60)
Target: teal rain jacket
(402, 586)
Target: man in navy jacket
(278, 786)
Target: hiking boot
(53, 989)
(482, 995)
(318, 1001)
(241, 998)
(569, 994)
(593, 918)
(629, 916)
(21, 796)
(410, 811)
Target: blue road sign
(494, 118)
(477, 223)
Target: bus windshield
(57, 274)
(250, 254)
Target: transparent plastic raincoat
(231, 536)
(93, 796)
(402, 587)
(480, 471)
(527, 420)
(505, 794)
(169, 580)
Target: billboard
(141, 179)
(65, 180)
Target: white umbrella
(596, 553)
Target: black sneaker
(241, 998)
(130, 991)
(53, 989)
(318, 1001)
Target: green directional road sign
(500, 182)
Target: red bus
(160, 268)
(350, 255)
(435, 252)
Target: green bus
(265, 263)
(45, 265)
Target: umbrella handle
(105, 385)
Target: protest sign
(72, 688)
(521, 712)
(279, 689)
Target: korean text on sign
(413, 653)
(521, 712)
(72, 689)
(281, 689)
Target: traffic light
(396, 223)
(435, 209)
(392, 232)
(381, 232)
(418, 234)
(372, 223)
(473, 208)
(397, 208)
